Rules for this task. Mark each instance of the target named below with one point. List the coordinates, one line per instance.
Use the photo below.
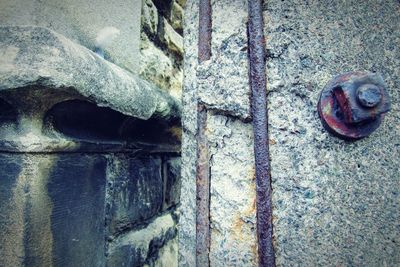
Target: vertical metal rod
(260, 128)
(204, 46)
(203, 166)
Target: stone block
(171, 38)
(149, 17)
(158, 68)
(12, 202)
(52, 210)
(141, 247)
(135, 192)
(176, 17)
(172, 176)
(182, 3)
(76, 188)
(40, 57)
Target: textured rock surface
(176, 17)
(159, 69)
(232, 205)
(223, 80)
(33, 55)
(161, 46)
(131, 180)
(141, 247)
(149, 17)
(335, 203)
(171, 38)
(167, 255)
(54, 212)
(82, 22)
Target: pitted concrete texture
(113, 25)
(220, 83)
(335, 203)
(223, 80)
(233, 196)
(38, 56)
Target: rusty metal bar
(202, 165)
(260, 127)
(202, 191)
(204, 44)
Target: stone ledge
(38, 56)
(138, 247)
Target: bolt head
(369, 95)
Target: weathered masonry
(89, 143)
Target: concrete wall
(336, 203)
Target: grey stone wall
(161, 46)
(336, 203)
(89, 152)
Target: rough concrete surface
(335, 203)
(84, 22)
(38, 56)
(221, 83)
(233, 203)
(223, 80)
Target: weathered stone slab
(141, 247)
(113, 25)
(135, 192)
(335, 203)
(11, 210)
(77, 190)
(41, 57)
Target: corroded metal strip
(202, 191)
(260, 126)
(204, 52)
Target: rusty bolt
(369, 95)
(352, 105)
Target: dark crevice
(85, 121)
(8, 114)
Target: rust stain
(272, 142)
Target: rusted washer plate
(342, 114)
